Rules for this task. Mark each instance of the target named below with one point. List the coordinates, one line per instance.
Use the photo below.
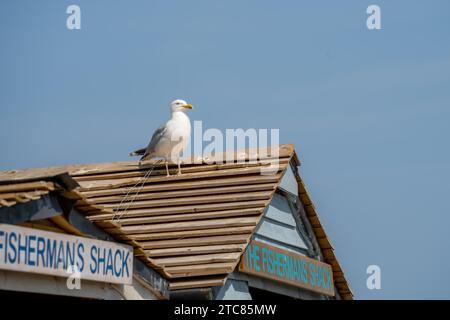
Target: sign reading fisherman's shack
(270, 262)
(37, 251)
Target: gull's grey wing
(156, 137)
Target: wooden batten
(187, 193)
(179, 209)
(191, 225)
(179, 235)
(187, 185)
(190, 216)
(196, 241)
(199, 270)
(194, 250)
(203, 282)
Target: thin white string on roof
(117, 215)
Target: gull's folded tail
(138, 152)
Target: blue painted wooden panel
(234, 290)
(281, 236)
(278, 227)
(289, 182)
(279, 210)
(280, 233)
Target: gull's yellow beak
(188, 106)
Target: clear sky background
(368, 111)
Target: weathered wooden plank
(186, 185)
(315, 222)
(65, 225)
(181, 209)
(190, 242)
(192, 233)
(197, 283)
(324, 243)
(232, 197)
(195, 250)
(89, 208)
(190, 225)
(183, 268)
(73, 194)
(328, 254)
(30, 195)
(183, 193)
(319, 232)
(199, 273)
(28, 186)
(264, 154)
(284, 151)
(117, 183)
(4, 203)
(199, 270)
(191, 216)
(198, 259)
(161, 170)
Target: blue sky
(368, 111)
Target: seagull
(169, 140)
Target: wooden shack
(221, 230)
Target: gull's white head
(180, 105)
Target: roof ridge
(30, 174)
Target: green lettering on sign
(281, 265)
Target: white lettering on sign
(37, 251)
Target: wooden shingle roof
(192, 228)
(13, 194)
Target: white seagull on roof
(170, 139)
